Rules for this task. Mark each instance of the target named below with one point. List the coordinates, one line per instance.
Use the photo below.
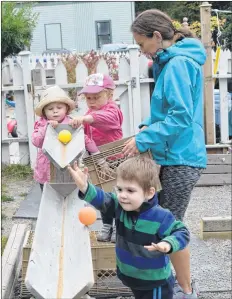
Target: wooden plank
(214, 180)
(28, 102)
(218, 169)
(12, 88)
(220, 150)
(216, 235)
(224, 110)
(61, 250)
(216, 224)
(5, 147)
(219, 159)
(124, 93)
(135, 84)
(11, 258)
(12, 139)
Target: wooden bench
(216, 227)
(218, 171)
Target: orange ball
(87, 215)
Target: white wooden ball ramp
(63, 154)
(60, 264)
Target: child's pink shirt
(107, 125)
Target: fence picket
(102, 67)
(61, 73)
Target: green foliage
(18, 23)
(177, 10)
(3, 243)
(5, 198)
(16, 171)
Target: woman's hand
(161, 246)
(53, 123)
(80, 177)
(130, 148)
(143, 128)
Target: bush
(17, 27)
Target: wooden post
(26, 70)
(135, 86)
(224, 119)
(21, 115)
(205, 11)
(5, 146)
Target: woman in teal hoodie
(174, 131)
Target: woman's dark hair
(155, 20)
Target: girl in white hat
(53, 109)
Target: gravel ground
(16, 190)
(208, 202)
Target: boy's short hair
(142, 170)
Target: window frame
(61, 38)
(97, 35)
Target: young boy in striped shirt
(146, 233)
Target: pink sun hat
(96, 83)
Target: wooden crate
(112, 153)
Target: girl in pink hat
(102, 124)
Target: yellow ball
(64, 136)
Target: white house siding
(78, 23)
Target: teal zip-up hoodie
(175, 133)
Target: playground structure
(61, 250)
(60, 263)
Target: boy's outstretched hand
(79, 176)
(161, 246)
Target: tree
(18, 23)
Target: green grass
(17, 171)
(4, 188)
(3, 243)
(3, 216)
(5, 198)
(23, 194)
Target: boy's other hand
(79, 176)
(76, 122)
(53, 123)
(161, 246)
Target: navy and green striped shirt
(137, 267)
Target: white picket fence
(28, 75)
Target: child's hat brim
(52, 95)
(91, 89)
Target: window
(103, 31)
(53, 36)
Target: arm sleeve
(38, 135)
(104, 201)
(110, 117)
(90, 145)
(146, 122)
(178, 93)
(174, 232)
